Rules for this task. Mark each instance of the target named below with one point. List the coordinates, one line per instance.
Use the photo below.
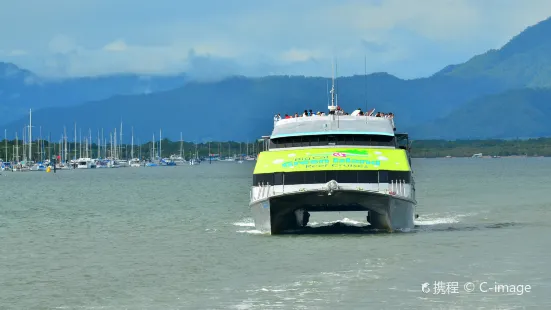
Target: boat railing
(330, 117)
(394, 188)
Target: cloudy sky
(407, 38)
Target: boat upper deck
(333, 124)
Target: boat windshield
(323, 140)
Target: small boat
(178, 160)
(134, 162)
(5, 166)
(86, 163)
(38, 167)
(167, 162)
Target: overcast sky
(206, 38)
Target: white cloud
(298, 55)
(18, 52)
(62, 44)
(116, 46)
(407, 38)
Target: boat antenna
(365, 86)
(336, 83)
(327, 92)
(332, 106)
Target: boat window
(330, 175)
(383, 176)
(310, 178)
(347, 176)
(294, 178)
(278, 178)
(322, 140)
(367, 176)
(314, 141)
(319, 177)
(341, 176)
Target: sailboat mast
(153, 147)
(80, 144)
(181, 146)
(99, 145)
(104, 143)
(75, 140)
(120, 142)
(115, 144)
(132, 147)
(6, 143)
(160, 139)
(16, 147)
(90, 143)
(30, 134)
(49, 146)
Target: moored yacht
(194, 161)
(178, 160)
(134, 162)
(333, 163)
(85, 163)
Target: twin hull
(289, 184)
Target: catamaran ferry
(333, 163)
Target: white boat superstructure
(178, 160)
(134, 162)
(85, 163)
(333, 163)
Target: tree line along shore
(43, 149)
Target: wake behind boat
(333, 163)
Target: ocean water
(182, 238)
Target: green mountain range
(503, 93)
(523, 62)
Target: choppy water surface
(182, 238)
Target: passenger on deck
(287, 116)
(277, 117)
(391, 117)
(358, 111)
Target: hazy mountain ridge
(21, 89)
(523, 62)
(519, 113)
(242, 108)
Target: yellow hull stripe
(324, 159)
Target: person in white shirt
(357, 112)
(391, 118)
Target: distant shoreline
(491, 148)
(483, 157)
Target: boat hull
(286, 212)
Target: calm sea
(182, 238)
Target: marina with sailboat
(108, 151)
